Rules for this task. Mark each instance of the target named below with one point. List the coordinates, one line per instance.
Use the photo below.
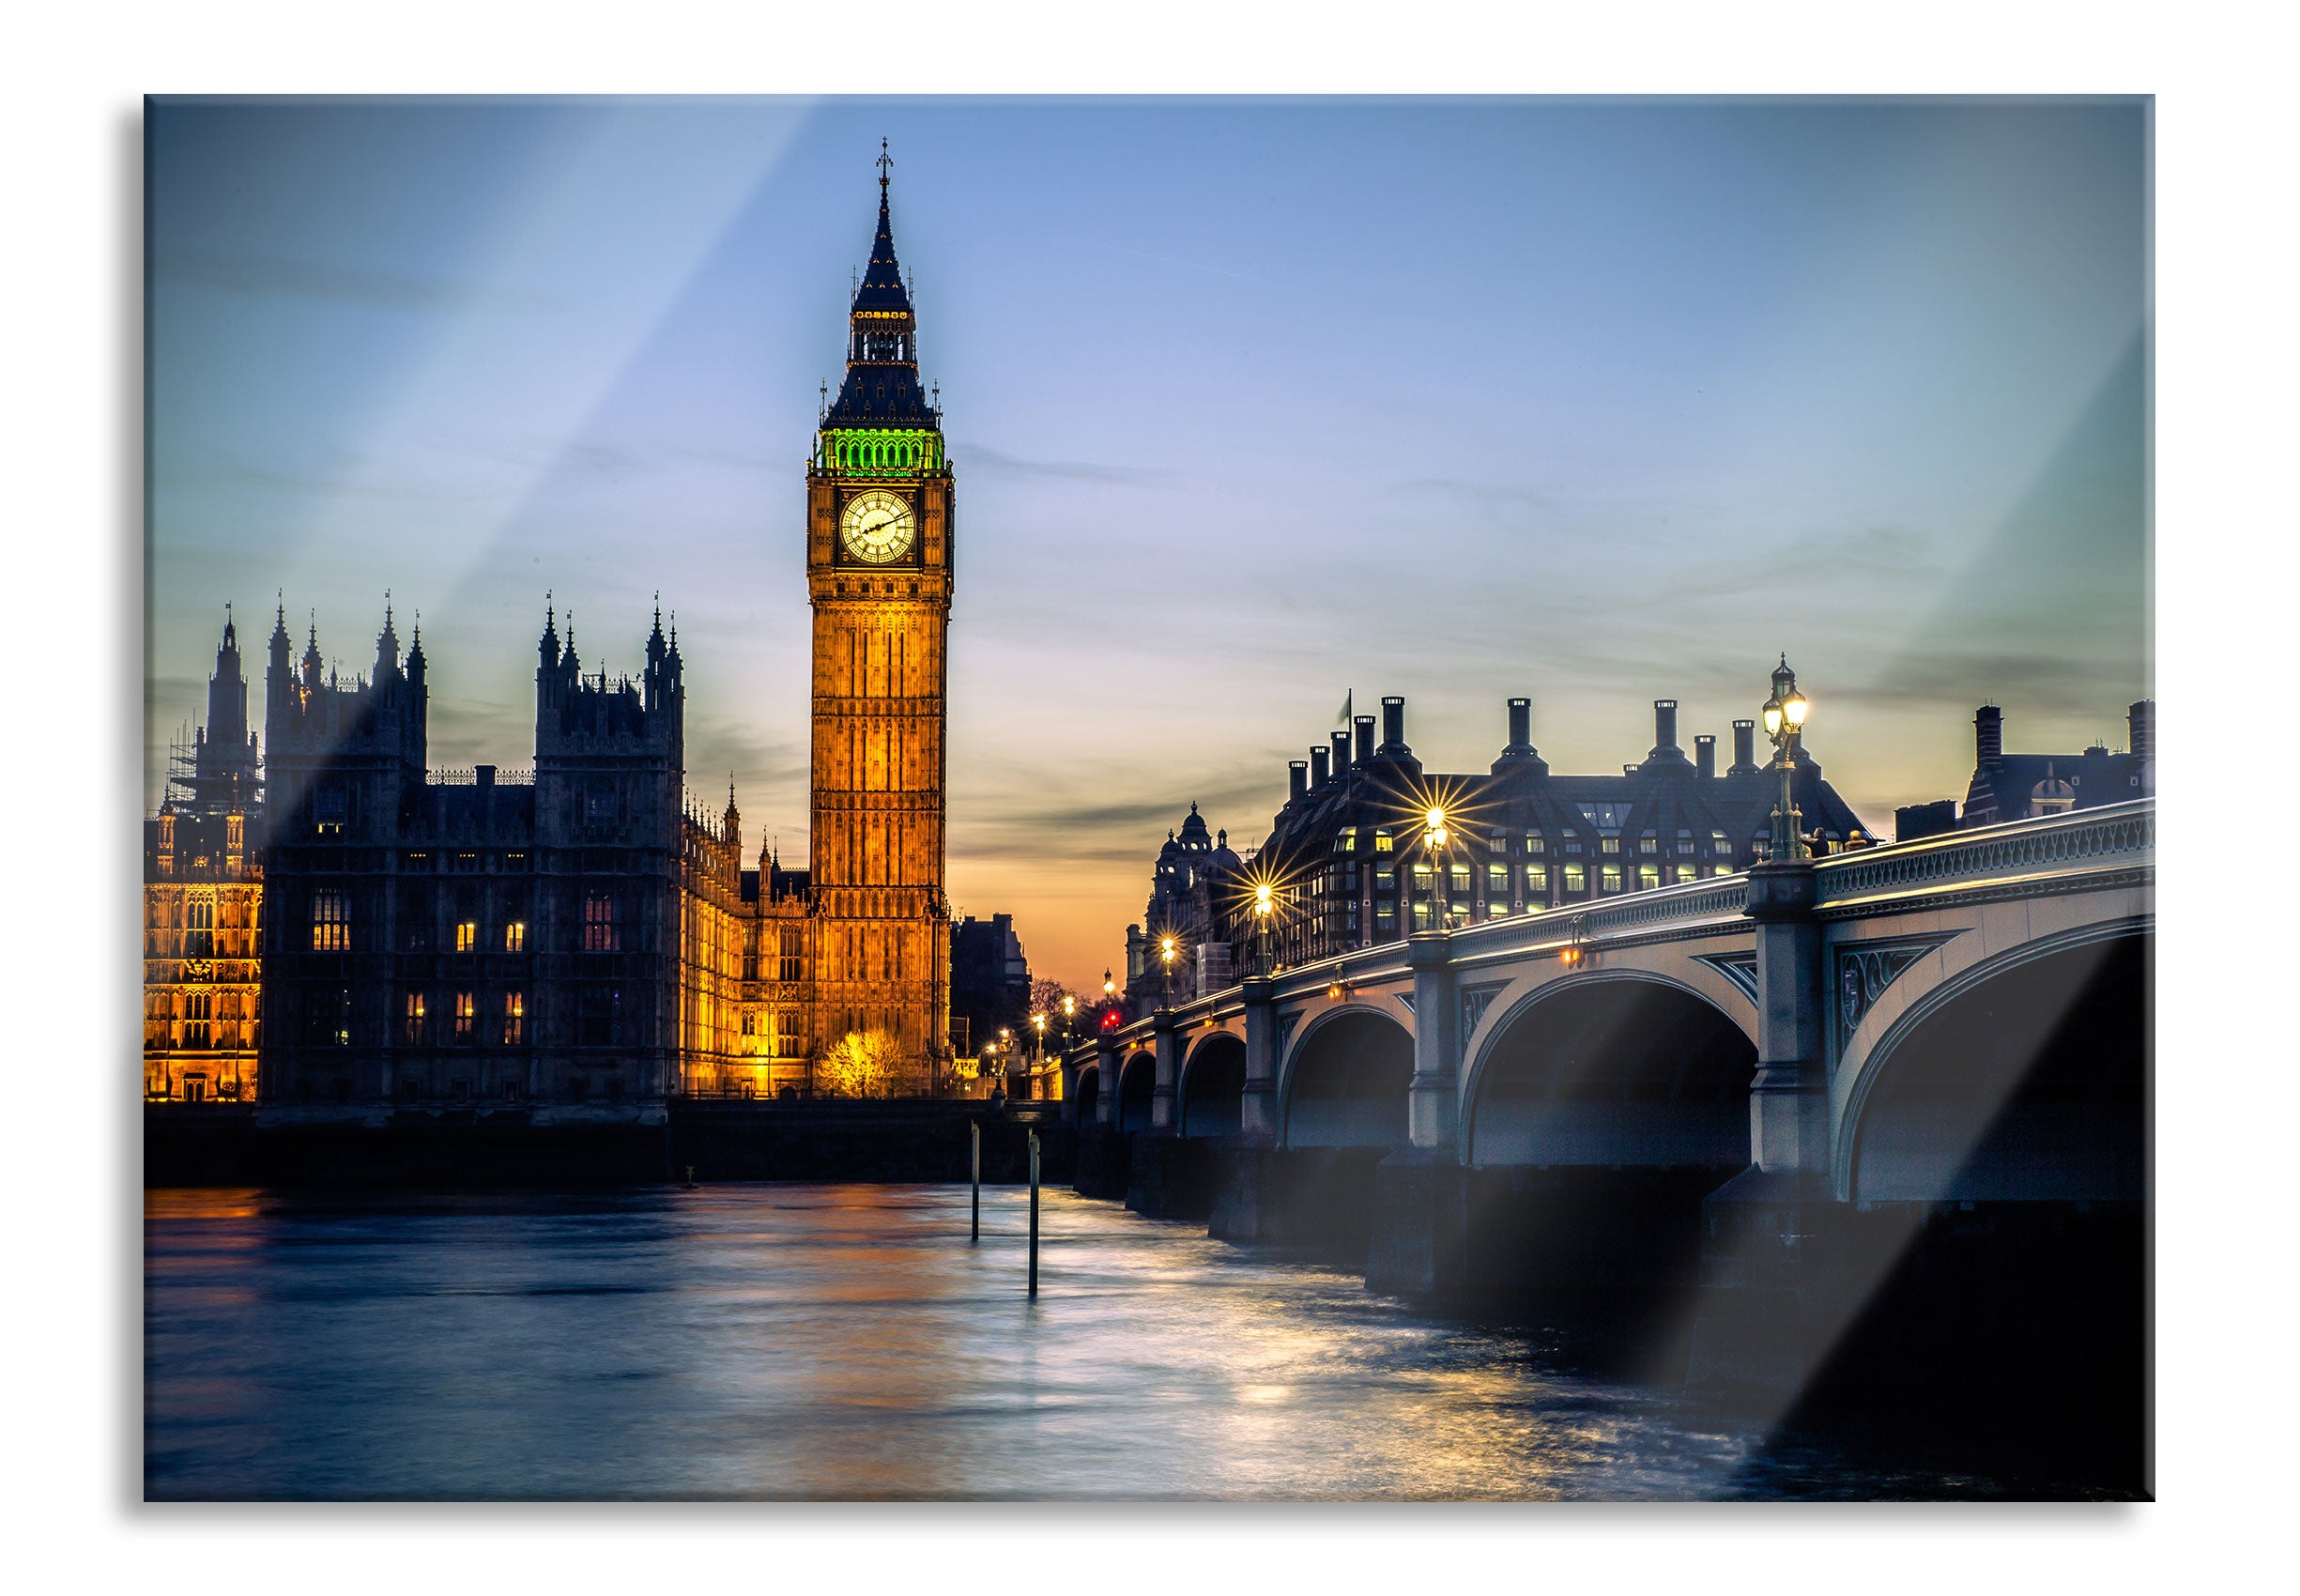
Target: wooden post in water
(975, 1235)
(1033, 1213)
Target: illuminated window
(1537, 880)
(1384, 919)
(515, 1020)
(788, 1042)
(466, 935)
(1347, 840)
(1719, 844)
(200, 928)
(1648, 877)
(1721, 869)
(1610, 845)
(1458, 874)
(1610, 881)
(792, 962)
(1381, 842)
(1385, 877)
(467, 1017)
(412, 1029)
(1533, 842)
(515, 937)
(1684, 842)
(1648, 843)
(1498, 880)
(750, 953)
(1687, 872)
(331, 922)
(1423, 876)
(1421, 914)
(600, 934)
(1576, 878)
(750, 1023)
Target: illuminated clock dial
(878, 527)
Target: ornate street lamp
(1262, 925)
(1434, 835)
(1166, 971)
(1785, 719)
(1069, 1012)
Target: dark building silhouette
(989, 981)
(2018, 787)
(1347, 865)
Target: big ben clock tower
(878, 574)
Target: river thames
(842, 1341)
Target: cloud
(980, 458)
(272, 274)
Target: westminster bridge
(1887, 1085)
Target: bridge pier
(1433, 1101)
(1258, 1101)
(1169, 1072)
(1106, 1106)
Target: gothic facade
(336, 929)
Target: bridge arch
(2022, 1078)
(1209, 1097)
(1346, 1080)
(1614, 1068)
(1137, 1081)
(1085, 1099)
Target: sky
(1250, 404)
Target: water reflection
(846, 1342)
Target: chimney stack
(1521, 726)
(1744, 748)
(1364, 724)
(1320, 766)
(1989, 734)
(1664, 725)
(1393, 725)
(1705, 756)
(2142, 720)
(1340, 740)
(1298, 779)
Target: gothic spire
(882, 387)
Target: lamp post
(1785, 719)
(1037, 1046)
(1069, 1012)
(1434, 835)
(1166, 972)
(1262, 927)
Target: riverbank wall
(818, 1140)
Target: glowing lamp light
(1166, 949)
(1333, 989)
(1262, 898)
(1110, 987)
(1772, 720)
(1796, 709)
(1069, 1006)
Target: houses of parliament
(333, 927)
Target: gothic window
(411, 1021)
(788, 1042)
(599, 1018)
(466, 936)
(331, 922)
(750, 1023)
(601, 931)
(466, 1018)
(200, 928)
(329, 1018)
(514, 936)
(514, 1018)
(793, 959)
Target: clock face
(878, 528)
